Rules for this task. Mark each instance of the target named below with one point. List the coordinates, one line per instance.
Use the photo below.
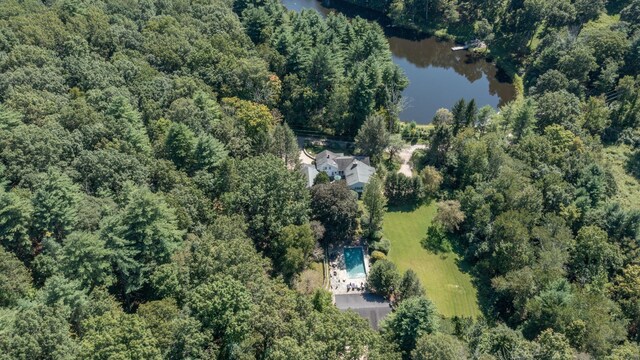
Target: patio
(339, 280)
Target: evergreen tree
(375, 203)
(459, 114)
(142, 235)
(471, 113)
(85, 258)
(372, 138)
(285, 145)
(208, 154)
(410, 286)
(179, 146)
(55, 206)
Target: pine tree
(375, 202)
(285, 145)
(179, 145)
(142, 235)
(209, 153)
(471, 113)
(55, 206)
(372, 138)
(458, 111)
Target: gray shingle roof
(356, 168)
(357, 172)
(327, 156)
(309, 173)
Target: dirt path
(405, 155)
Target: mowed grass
(446, 285)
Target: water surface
(354, 262)
(438, 77)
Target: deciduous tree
(336, 207)
(383, 278)
(413, 319)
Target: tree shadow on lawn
(437, 241)
(479, 280)
(407, 208)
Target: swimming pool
(354, 260)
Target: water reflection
(438, 76)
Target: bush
(382, 245)
(376, 236)
(378, 255)
(442, 34)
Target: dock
(473, 44)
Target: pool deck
(339, 278)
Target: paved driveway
(371, 307)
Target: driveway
(370, 306)
(305, 159)
(405, 155)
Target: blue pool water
(354, 260)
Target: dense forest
(151, 207)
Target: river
(438, 77)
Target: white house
(355, 170)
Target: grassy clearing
(605, 20)
(628, 193)
(536, 38)
(310, 279)
(447, 286)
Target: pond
(438, 77)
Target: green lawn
(447, 286)
(315, 149)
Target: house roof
(338, 160)
(309, 173)
(358, 172)
(344, 161)
(327, 157)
